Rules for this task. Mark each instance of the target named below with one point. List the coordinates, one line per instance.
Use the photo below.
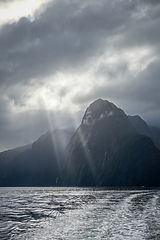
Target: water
(79, 213)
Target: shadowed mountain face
(142, 128)
(108, 149)
(6, 159)
(38, 165)
(156, 136)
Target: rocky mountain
(38, 164)
(107, 150)
(142, 128)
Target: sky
(58, 56)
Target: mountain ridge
(109, 148)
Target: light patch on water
(79, 213)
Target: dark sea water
(79, 213)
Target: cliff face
(106, 150)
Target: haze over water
(79, 213)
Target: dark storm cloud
(145, 32)
(70, 36)
(151, 1)
(66, 35)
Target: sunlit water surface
(79, 213)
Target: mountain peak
(100, 103)
(100, 109)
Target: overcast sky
(56, 57)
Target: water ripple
(79, 213)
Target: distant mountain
(39, 164)
(156, 135)
(107, 150)
(142, 128)
(6, 159)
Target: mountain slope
(7, 157)
(142, 128)
(39, 165)
(106, 150)
(156, 135)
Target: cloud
(71, 53)
(137, 95)
(58, 39)
(26, 127)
